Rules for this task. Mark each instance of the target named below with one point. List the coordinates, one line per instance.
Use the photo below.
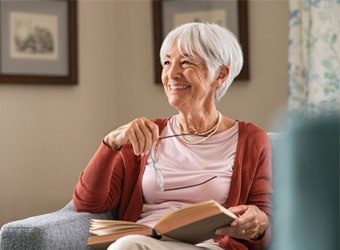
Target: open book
(192, 224)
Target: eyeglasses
(158, 171)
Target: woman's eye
(186, 62)
(166, 63)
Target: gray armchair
(66, 228)
(63, 229)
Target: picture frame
(38, 42)
(232, 14)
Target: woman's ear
(222, 74)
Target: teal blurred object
(306, 187)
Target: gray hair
(216, 45)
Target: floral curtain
(314, 56)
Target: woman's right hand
(141, 133)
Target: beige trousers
(140, 242)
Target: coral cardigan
(113, 180)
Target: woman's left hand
(250, 225)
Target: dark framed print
(38, 41)
(232, 14)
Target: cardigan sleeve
(112, 180)
(253, 179)
(260, 193)
(99, 185)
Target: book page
(103, 227)
(103, 241)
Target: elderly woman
(211, 156)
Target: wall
(49, 133)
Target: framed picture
(232, 14)
(38, 41)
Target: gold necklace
(208, 133)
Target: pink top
(183, 165)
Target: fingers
(244, 214)
(238, 210)
(141, 133)
(251, 223)
(234, 232)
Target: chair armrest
(63, 229)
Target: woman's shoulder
(251, 131)
(250, 127)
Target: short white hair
(216, 45)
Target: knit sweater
(113, 180)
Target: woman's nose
(174, 70)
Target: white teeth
(177, 87)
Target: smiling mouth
(178, 87)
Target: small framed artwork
(38, 41)
(232, 14)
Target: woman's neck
(197, 122)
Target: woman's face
(187, 82)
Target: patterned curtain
(314, 57)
